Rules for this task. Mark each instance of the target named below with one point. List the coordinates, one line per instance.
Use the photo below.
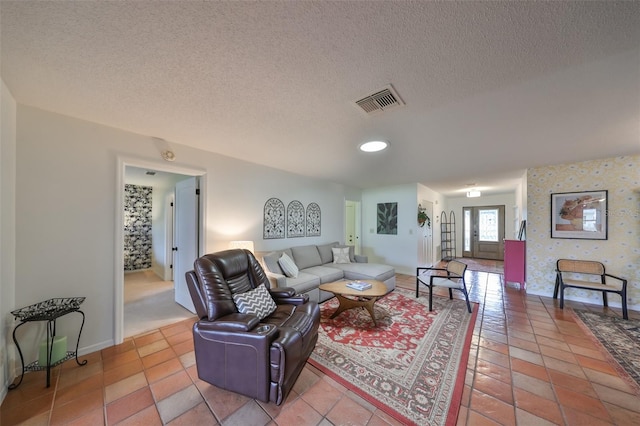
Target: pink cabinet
(515, 256)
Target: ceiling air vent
(382, 100)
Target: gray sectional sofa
(315, 264)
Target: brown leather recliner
(239, 352)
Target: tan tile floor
(530, 364)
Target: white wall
(7, 233)
(65, 221)
(399, 250)
(457, 203)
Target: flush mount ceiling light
(473, 193)
(373, 146)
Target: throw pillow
(352, 252)
(341, 255)
(256, 302)
(288, 266)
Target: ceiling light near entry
(374, 146)
(473, 194)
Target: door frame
(123, 163)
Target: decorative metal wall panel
(295, 219)
(273, 223)
(137, 227)
(313, 220)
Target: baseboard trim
(612, 302)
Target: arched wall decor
(295, 219)
(314, 222)
(274, 219)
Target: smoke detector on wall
(381, 100)
(164, 148)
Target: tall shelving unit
(448, 236)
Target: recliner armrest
(280, 292)
(297, 299)
(233, 322)
(288, 296)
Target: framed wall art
(295, 219)
(273, 220)
(313, 220)
(579, 215)
(387, 218)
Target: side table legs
(51, 334)
(15, 341)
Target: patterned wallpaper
(137, 227)
(620, 253)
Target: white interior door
(425, 235)
(186, 238)
(352, 224)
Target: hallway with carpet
(149, 303)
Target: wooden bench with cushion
(568, 272)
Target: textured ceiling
(490, 88)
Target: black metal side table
(49, 311)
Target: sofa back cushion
(270, 261)
(306, 256)
(325, 252)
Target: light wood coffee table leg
(347, 303)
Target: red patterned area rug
(411, 366)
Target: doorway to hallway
(164, 271)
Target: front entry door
(483, 232)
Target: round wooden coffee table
(350, 298)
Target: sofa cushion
(306, 256)
(326, 273)
(363, 271)
(256, 302)
(341, 255)
(326, 255)
(270, 261)
(288, 266)
(304, 282)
